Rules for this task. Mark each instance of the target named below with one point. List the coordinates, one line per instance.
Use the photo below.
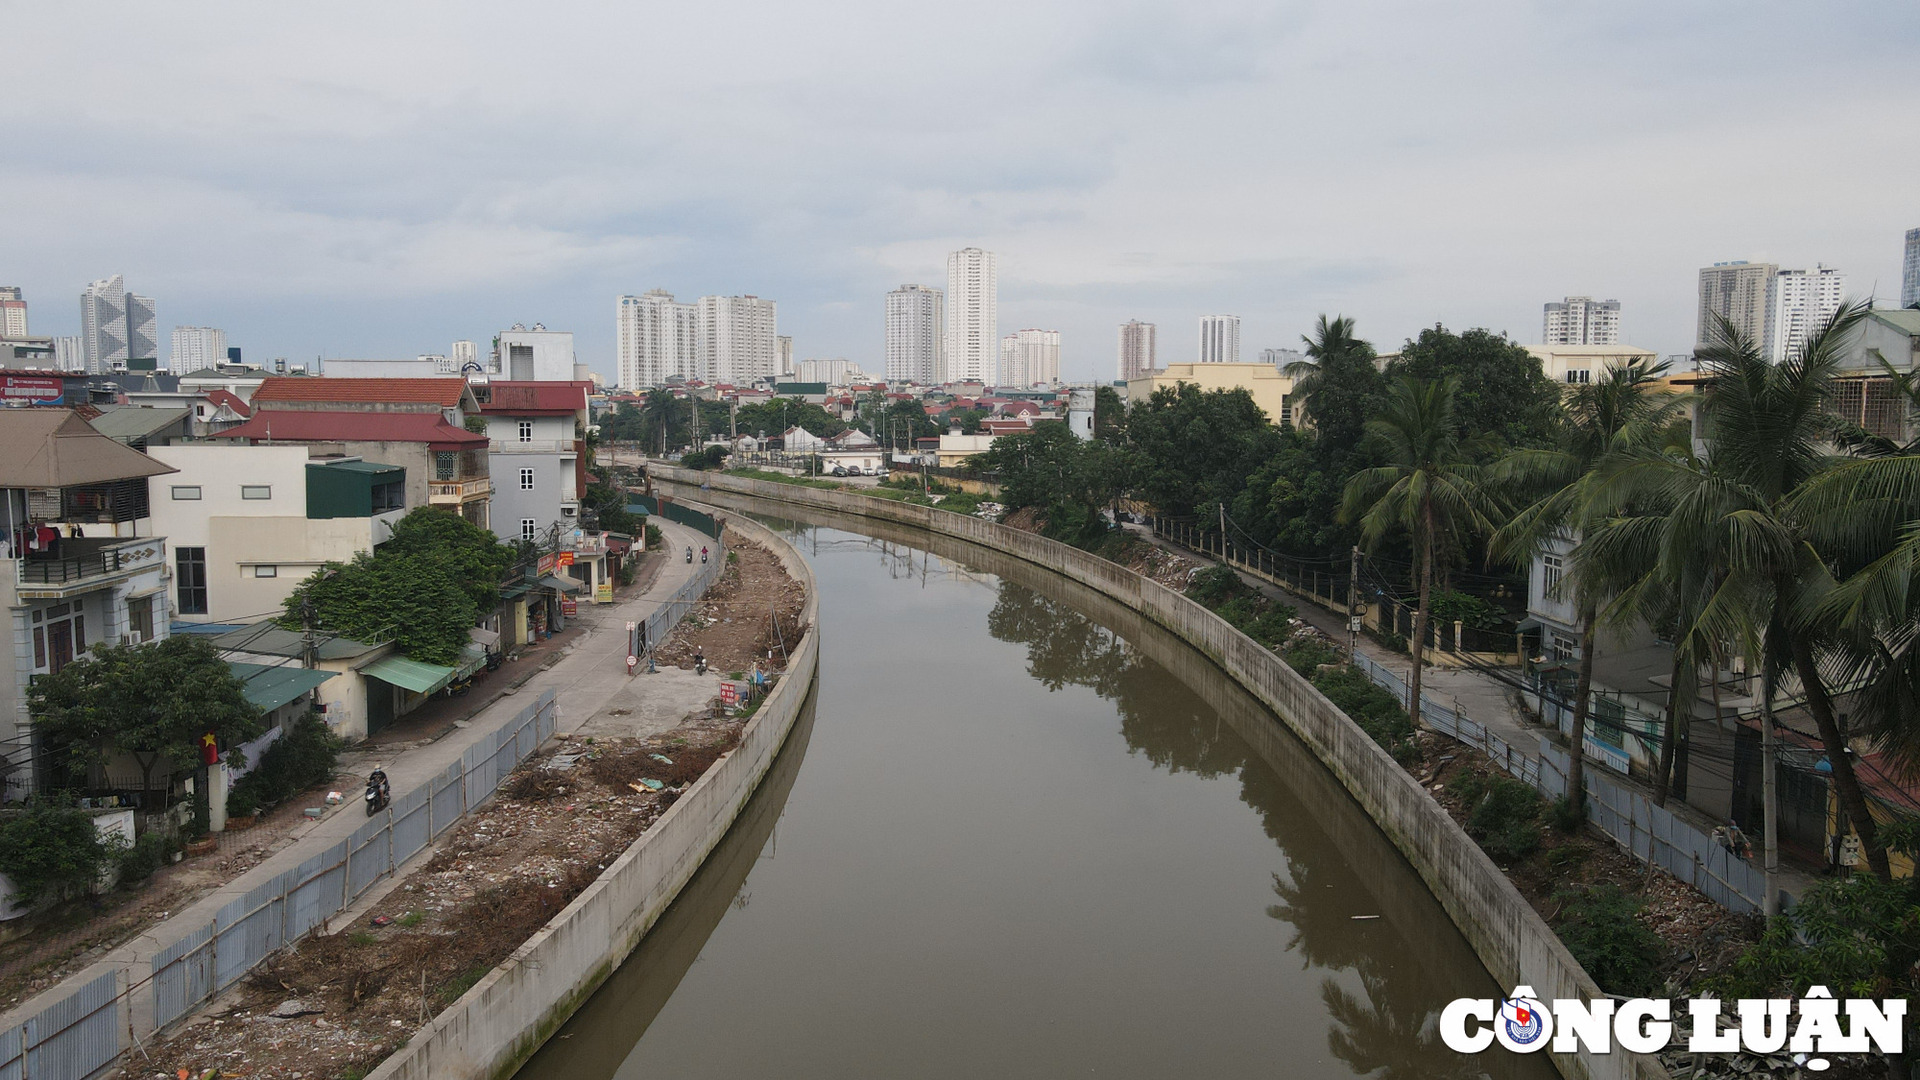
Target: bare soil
(751, 615)
(498, 878)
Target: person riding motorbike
(699, 662)
(703, 553)
(689, 552)
(378, 791)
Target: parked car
(839, 470)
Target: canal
(1024, 833)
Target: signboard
(32, 390)
(729, 693)
(545, 565)
(569, 606)
(566, 558)
(603, 593)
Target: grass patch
(1601, 928)
(784, 478)
(411, 919)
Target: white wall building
(1030, 358)
(196, 347)
(973, 318)
(13, 312)
(536, 355)
(837, 371)
(1219, 339)
(656, 338)
(916, 333)
(1138, 348)
(1798, 302)
(739, 339)
(115, 326)
(1281, 358)
(785, 345)
(463, 354)
(1738, 291)
(1581, 320)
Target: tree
(779, 414)
(1194, 449)
(475, 555)
(1338, 383)
(660, 413)
(51, 851)
(1624, 411)
(1503, 392)
(967, 420)
(1056, 471)
(1109, 416)
(157, 702)
(418, 601)
(1429, 488)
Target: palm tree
(659, 409)
(1626, 410)
(1429, 486)
(1336, 380)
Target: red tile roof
(230, 400)
(535, 398)
(300, 425)
(442, 392)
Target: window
(190, 576)
(266, 571)
(526, 479)
(528, 529)
(1554, 567)
(391, 496)
(140, 617)
(526, 431)
(256, 491)
(444, 463)
(1578, 377)
(186, 492)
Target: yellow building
(1270, 388)
(1577, 364)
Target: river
(1023, 833)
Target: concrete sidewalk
(584, 676)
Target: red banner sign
(32, 389)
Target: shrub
(1600, 928)
(305, 755)
(1377, 711)
(1308, 653)
(50, 852)
(655, 538)
(1565, 815)
(1503, 815)
(147, 854)
(1215, 586)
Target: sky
(378, 180)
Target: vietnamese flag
(209, 749)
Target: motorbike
(699, 664)
(703, 555)
(459, 687)
(379, 794)
(689, 554)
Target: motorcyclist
(379, 793)
(699, 662)
(703, 553)
(689, 552)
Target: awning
(409, 674)
(269, 686)
(472, 659)
(484, 636)
(517, 589)
(553, 581)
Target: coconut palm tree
(1625, 411)
(1430, 487)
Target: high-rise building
(116, 326)
(916, 333)
(834, 371)
(13, 312)
(1798, 302)
(196, 347)
(70, 353)
(1582, 320)
(1910, 272)
(1219, 339)
(1137, 348)
(786, 353)
(973, 320)
(1737, 291)
(739, 339)
(1281, 358)
(1030, 358)
(464, 353)
(656, 338)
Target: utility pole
(1353, 606)
(733, 418)
(1769, 800)
(309, 641)
(1223, 532)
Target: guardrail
(80, 559)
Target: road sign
(632, 626)
(632, 659)
(729, 693)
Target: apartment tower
(1030, 358)
(13, 312)
(973, 323)
(656, 338)
(1910, 272)
(916, 333)
(1799, 301)
(115, 326)
(195, 348)
(739, 339)
(1137, 349)
(1219, 339)
(1582, 320)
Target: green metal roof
(136, 421)
(409, 674)
(372, 468)
(1906, 319)
(567, 585)
(269, 686)
(472, 659)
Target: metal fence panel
(182, 976)
(445, 804)
(77, 1036)
(370, 858)
(319, 893)
(12, 1061)
(410, 826)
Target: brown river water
(1023, 833)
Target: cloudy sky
(379, 179)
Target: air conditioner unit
(132, 637)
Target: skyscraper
(973, 321)
(1281, 358)
(115, 326)
(1910, 272)
(656, 338)
(13, 312)
(739, 339)
(1798, 302)
(785, 344)
(464, 353)
(1739, 292)
(1219, 339)
(1582, 320)
(1137, 348)
(916, 333)
(1030, 358)
(196, 347)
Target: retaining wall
(1512, 941)
(494, 1027)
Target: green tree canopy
(1195, 449)
(1502, 390)
(155, 701)
(779, 414)
(475, 555)
(1068, 477)
(418, 601)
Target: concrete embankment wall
(494, 1027)
(1512, 941)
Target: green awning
(269, 686)
(518, 589)
(409, 674)
(472, 659)
(554, 581)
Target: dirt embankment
(751, 615)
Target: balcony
(533, 446)
(458, 492)
(80, 563)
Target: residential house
(536, 455)
(247, 523)
(374, 684)
(140, 426)
(81, 561)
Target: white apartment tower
(973, 319)
(739, 339)
(195, 348)
(1030, 358)
(1137, 348)
(115, 326)
(1910, 272)
(1582, 320)
(916, 333)
(1738, 291)
(1219, 339)
(786, 353)
(656, 338)
(1799, 301)
(13, 312)
(464, 353)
